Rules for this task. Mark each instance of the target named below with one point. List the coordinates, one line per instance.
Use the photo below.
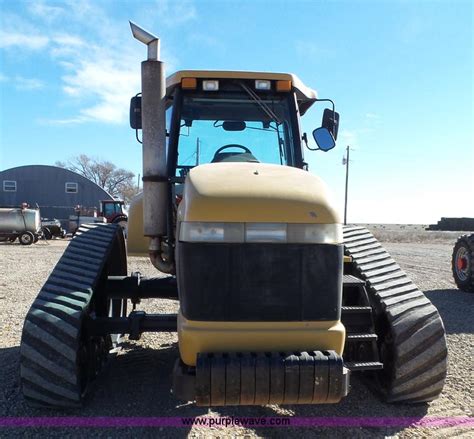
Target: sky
(400, 72)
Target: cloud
(64, 45)
(54, 122)
(110, 82)
(18, 32)
(176, 12)
(22, 40)
(47, 12)
(99, 78)
(68, 40)
(28, 83)
(100, 61)
(349, 137)
(21, 83)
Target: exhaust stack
(155, 178)
(149, 39)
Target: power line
(345, 161)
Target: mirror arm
(304, 138)
(313, 149)
(138, 138)
(328, 100)
(333, 112)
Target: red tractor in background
(113, 211)
(462, 263)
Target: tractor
(462, 263)
(113, 211)
(279, 303)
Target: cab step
(351, 281)
(356, 309)
(361, 337)
(359, 366)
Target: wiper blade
(269, 112)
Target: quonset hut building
(57, 191)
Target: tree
(118, 182)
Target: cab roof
(305, 96)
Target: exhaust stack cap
(149, 39)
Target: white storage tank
(19, 220)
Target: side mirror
(331, 122)
(324, 139)
(136, 112)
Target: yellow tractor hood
(256, 192)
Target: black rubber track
(466, 241)
(410, 329)
(52, 343)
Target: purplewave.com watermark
(231, 421)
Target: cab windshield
(235, 126)
(112, 208)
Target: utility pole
(345, 161)
(198, 150)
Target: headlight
(211, 232)
(261, 232)
(210, 85)
(315, 233)
(263, 84)
(265, 232)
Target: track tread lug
(50, 343)
(49, 364)
(419, 342)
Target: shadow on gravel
(137, 383)
(455, 308)
(9, 380)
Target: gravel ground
(137, 380)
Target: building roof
(33, 170)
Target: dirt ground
(138, 379)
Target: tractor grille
(260, 282)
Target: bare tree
(118, 182)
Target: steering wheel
(233, 145)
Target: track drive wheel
(462, 263)
(122, 221)
(58, 359)
(411, 334)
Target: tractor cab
(111, 209)
(223, 116)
